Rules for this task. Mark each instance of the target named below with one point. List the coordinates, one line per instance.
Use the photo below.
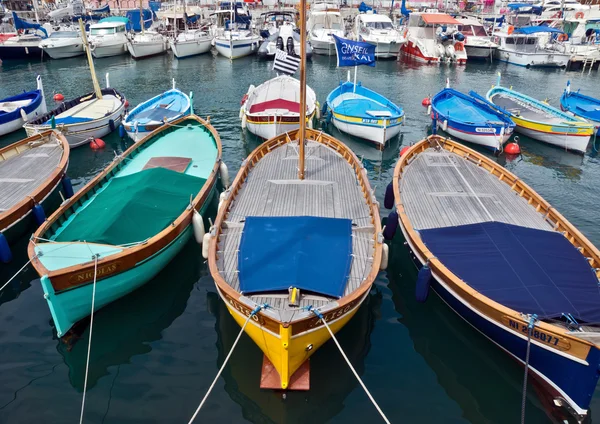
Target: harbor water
(155, 352)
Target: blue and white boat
(16, 110)
(581, 105)
(164, 108)
(363, 113)
(471, 118)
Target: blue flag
(353, 53)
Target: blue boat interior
(361, 103)
(529, 270)
(9, 107)
(454, 105)
(307, 252)
(581, 105)
(170, 105)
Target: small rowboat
(16, 110)
(130, 220)
(361, 112)
(543, 122)
(31, 172)
(322, 249)
(272, 108)
(505, 261)
(471, 118)
(580, 105)
(148, 116)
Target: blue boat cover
(536, 29)
(134, 18)
(23, 24)
(528, 270)
(307, 252)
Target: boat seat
(8, 107)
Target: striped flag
(285, 63)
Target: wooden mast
(302, 132)
(90, 61)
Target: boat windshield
(102, 31)
(379, 25)
(475, 30)
(64, 34)
(326, 22)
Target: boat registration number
(539, 335)
(375, 121)
(485, 130)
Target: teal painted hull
(69, 307)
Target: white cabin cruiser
(63, 44)
(478, 43)
(269, 22)
(286, 39)
(324, 22)
(434, 38)
(581, 40)
(108, 37)
(380, 31)
(525, 47)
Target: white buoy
(205, 243)
(385, 252)
(224, 174)
(23, 115)
(445, 125)
(244, 119)
(429, 110)
(318, 111)
(310, 124)
(198, 225)
(222, 196)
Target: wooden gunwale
(304, 323)
(15, 213)
(65, 278)
(578, 347)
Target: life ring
(459, 46)
(563, 37)
(579, 15)
(511, 29)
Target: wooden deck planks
(440, 189)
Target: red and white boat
(273, 107)
(434, 38)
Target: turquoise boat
(126, 224)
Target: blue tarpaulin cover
(310, 253)
(536, 29)
(528, 270)
(134, 18)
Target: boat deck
(330, 189)
(24, 172)
(89, 110)
(525, 111)
(439, 189)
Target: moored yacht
(478, 43)
(109, 37)
(524, 47)
(324, 21)
(380, 31)
(63, 44)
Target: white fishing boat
(18, 109)
(379, 30)
(478, 43)
(63, 44)
(233, 36)
(273, 107)
(109, 37)
(324, 21)
(434, 38)
(524, 47)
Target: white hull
(490, 141)
(190, 48)
(324, 47)
(236, 48)
(109, 50)
(18, 123)
(64, 52)
(547, 59)
(564, 141)
(386, 50)
(268, 131)
(139, 50)
(479, 52)
(372, 134)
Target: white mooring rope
(320, 315)
(87, 362)
(17, 273)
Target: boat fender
(426, 102)
(23, 115)
(579, 15)
(391, 226)
(324, 109)
(67, 186)
(126, 104)
(205, 243)
(111, 125)
(388, 200)
(224, 174)
(423, 284)
(5, 253)
(404, 150)
(445, 125)
(121, 131)
(429, 110)
(97, 143)
(38, 214)
(198, 225)
(244, 120)
(309, 124)
(385, 253)
(222, 196)
(318, 111)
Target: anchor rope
(17, 273)
(87, 362)
(237, 339)
(532, 319)
(320, 316)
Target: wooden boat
(155, 112)
(585, 107)
(18, 109)
(273, 108)
(297, 242)
(503, 259)
(543, 122)
(471, 118)
(361, 112)
(31, 172)
(134, 217)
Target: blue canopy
(23, 24)
(536, 29)
(310, 253)
(528, 270)
(134, 18)
(101, 10)
(364, 8)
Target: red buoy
(426, 102)
(58, 97)
(404, 150)
(97, 143)
(512, 149)
(126, 104)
